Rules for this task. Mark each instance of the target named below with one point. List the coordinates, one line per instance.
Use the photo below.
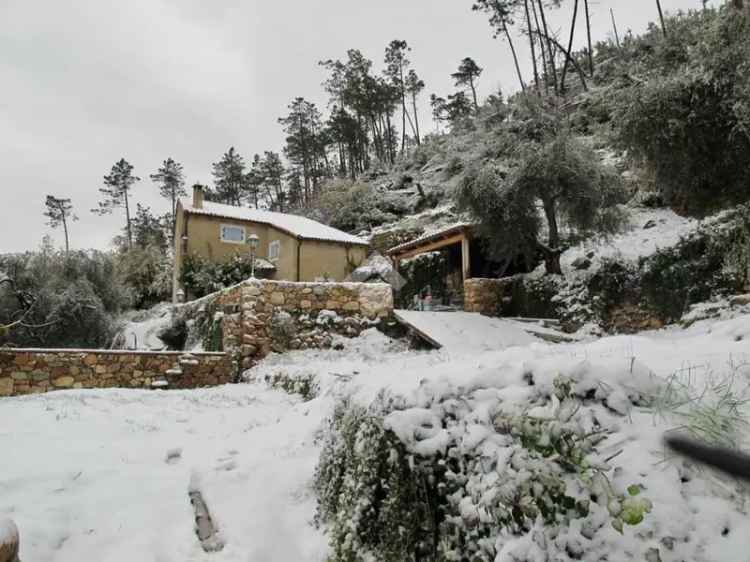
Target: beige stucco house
(300, 249)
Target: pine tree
(254, 181)
(272, 170)
(413, 87)
(59, 211)
(467, 74)
(458, 107)
(171, 183)
(363, 106)
(149, 229)
(396, 64)
(294, 188)
(439, 111)
(229, 178)
(304, 147)
(116, 191)
(501, 14)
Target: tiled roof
(300, 227)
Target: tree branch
(567, 56)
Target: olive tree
(520, 210)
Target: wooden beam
(414, 331)
(465, 258)
(432, 246)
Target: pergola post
(465, 258)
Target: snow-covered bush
(304, 384)
(469, 474)
(201, 276)
(282, 329)
(146, 274)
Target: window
(232, 234)
(274, 250)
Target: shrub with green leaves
(69, 299)
(437, 484)
(682, 110)
(305, 385)
(201, 276)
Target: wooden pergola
(455, 234)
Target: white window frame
(227, 225)
(274, 245)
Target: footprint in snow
(227, 465)
(173, 456)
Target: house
(295, 247)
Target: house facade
(297, 248)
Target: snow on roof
(429, 237)
(298, 226)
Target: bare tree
(661, 18)
(545, 73)
(570, 59)
(614, 26)
(501, 17)
(551, 51)
(588, 37)
(568, 56)
(532, 44)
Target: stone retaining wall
(260, 316)
(486, 296)
(27, 371)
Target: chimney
(197, 196)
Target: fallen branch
(568, 57)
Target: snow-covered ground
(84, 474)
(646, 231)
(141, 328)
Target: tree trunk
(65, 230)
(515, 57)
(661, 18)
(545, 73)
(588, 36)
(416, 116)
(575, 64)
(411, 124)
(389, 136)
(551, 251)
(614, 26)
(532, 44)
(552, 262)
(474, 94)
(127, 221)
(174, 213)
(549, 46)
(403, 109)
(570, 46)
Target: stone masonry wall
(486, 295)
(260, 316)
(277, 315)
(27, 371)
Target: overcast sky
(86, 82)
